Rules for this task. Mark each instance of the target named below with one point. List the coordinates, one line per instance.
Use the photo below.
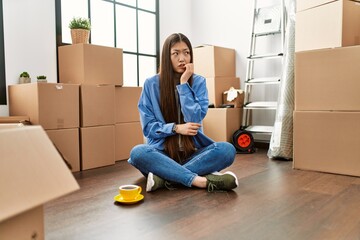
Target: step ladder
(268, 22)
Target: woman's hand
(188, 128)
(189, 70)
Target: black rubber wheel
(243, 141)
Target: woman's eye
(175, 53)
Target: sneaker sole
(150, 182)
(227, 172)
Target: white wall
(175, 17)
(30, 41)
(223, 23)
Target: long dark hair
(168, 81)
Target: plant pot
(24, 80)
(42, 80)
(80, 36)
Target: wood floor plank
(272, 201)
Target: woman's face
(180, 55)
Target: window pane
(70, 9)
(130, 70)
(102, 23)
(147, 5)
(147, 68)
(126, 28)
(128, 2)
(147, 33)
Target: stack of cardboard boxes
(217, 65)
(97, 69)
(56, 108)
(327, 74)
(95, 75)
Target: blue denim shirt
(194, 105)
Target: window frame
(3, 96)
(114, 2)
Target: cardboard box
(67, 143)
(32, 173)
(328, 79)
(236, 96)
(335, 24)
(97, 105)
(217, 86)
(127, 136)
(214, 61)
(327, 141)
(27, 225)
(90, 64)
(221, 123)
(51, 105)
(97, 146)
(126, 104)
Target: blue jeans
(212, 158)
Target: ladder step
(261, 105)
(262, 56)
(268, 19)
(260, 129)
(263, 80)
(266, 33)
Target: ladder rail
(251, 81)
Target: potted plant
(80, 30)
(41, 78)
(24, 77)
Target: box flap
(31, 171)
(204, 45)
(15, 119)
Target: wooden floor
(272, 201)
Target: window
(2, 60)
(132, 25)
